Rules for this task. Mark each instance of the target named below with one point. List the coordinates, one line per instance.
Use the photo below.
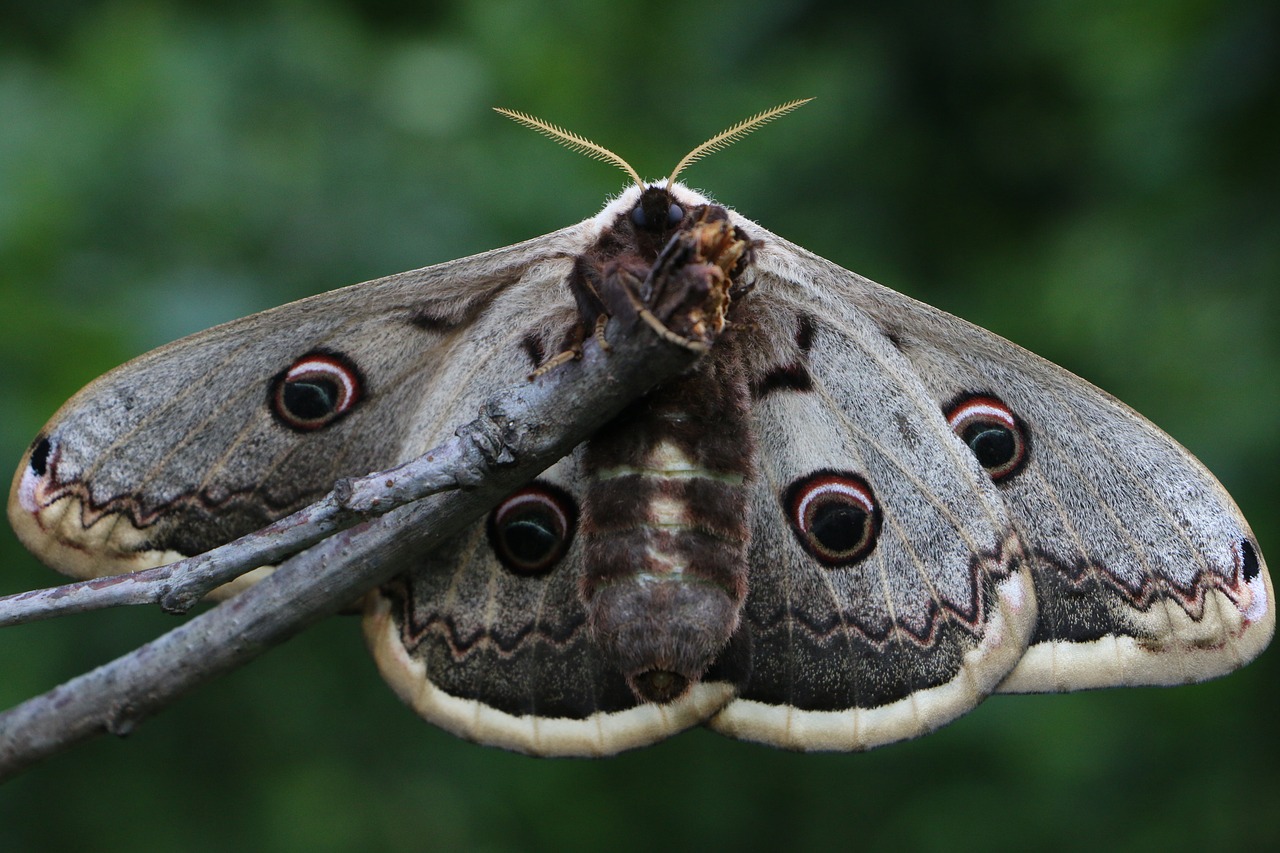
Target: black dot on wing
(40, 451)
(310, 400)
(993, 446)
(839, 526)
(531, 537)
(1250, 565)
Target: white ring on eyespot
(536, 497)
(329, 368)
(972, 408)
(858, 493)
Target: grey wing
(215, 435)
(1145, 570)
(887, 593)
(501, 653)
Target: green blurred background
(1094, 180)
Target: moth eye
(315, 391)
(638, 217)
(997, 436)
(835, 516)
(675, 213)
(531, 530)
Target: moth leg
(555, 361)
(586, 285)
(601, 322)
(570, 350)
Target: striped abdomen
(666, 529)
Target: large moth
(852, 521)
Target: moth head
(657, 211)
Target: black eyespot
(997, 437)
(315, 391)
(639, 217)
(835, 516)
(531, 530)
(1249, 563)
(675, 213)
(40, 456)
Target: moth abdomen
(666, 537)
(666, 529)
(664, 580)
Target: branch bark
(519, 434)
(458, 463)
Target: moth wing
(853, 646)
(183, 448)
(504, 656)
(1145, 570)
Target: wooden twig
(178, 586)
(519, 434)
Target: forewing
(185, 448)
(849, 650)
(1145, 570)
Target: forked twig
(521, 432)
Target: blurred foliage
(1097, 181)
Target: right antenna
(727, 137)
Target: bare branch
(178, 586)
(518, 435)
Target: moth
(853, 520)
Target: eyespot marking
(997, 437)
(530, 531)
(318, 389)
(835, 516)
(1250, 565)
(41, 459)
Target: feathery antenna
(727, 137)
(582, 145)
(572, 141)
